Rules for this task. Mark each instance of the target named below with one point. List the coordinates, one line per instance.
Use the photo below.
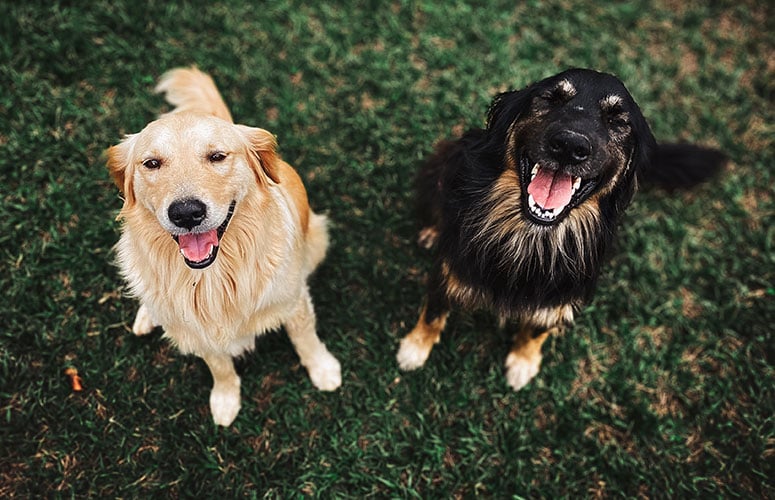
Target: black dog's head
(573, 137)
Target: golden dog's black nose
(569, 147)
(187, 213)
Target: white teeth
(547, 214)
(544, 213)
(209, 251)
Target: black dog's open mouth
(551, 194)
(200, 249)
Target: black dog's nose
(569, 147)
(187, 213)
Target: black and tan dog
(523, 211)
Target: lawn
(663, 388)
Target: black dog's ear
(644, 142)
(507, 107)
(643, 148)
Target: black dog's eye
(619, 120)
(546, 101)
(216, 156)
(152, 163)
(553, 96)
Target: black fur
(682, 166)
(493, 250)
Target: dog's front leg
(323, 368)
(416, 346)
(144, 322)
(225, 396)
(524, 359)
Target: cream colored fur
(271, 245)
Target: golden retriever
(217, 237)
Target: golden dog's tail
(188, 89)
(317, 240)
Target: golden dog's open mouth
(199, 250)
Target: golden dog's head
(191, 171)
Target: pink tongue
(551, 190)
(197, 247)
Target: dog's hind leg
(524, 359)
(323, 368)
(225, 395)
(416, 346)
(429, 201)
(427, 237)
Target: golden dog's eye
(217, 156)
(152, 163)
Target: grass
(664, 388)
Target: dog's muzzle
(199, 248)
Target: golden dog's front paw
(325, 372)
(520, 369)
(225, 403)
(144, 322)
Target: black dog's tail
(682, 166)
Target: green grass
(664, 387)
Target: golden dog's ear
(262, 152)
(121, 170)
